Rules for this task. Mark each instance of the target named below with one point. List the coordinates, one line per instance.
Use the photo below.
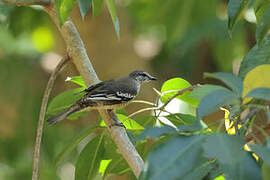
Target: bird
(110, 94)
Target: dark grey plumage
(110, 94)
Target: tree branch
(42, 116)
(77, 52)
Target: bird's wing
(111, 91)
(92, 87)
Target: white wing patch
(126, 95)
(104, 97)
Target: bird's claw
(120, 124)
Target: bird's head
(141, 76)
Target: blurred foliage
(191, 37)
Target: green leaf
(63, 101)
(63, 8)
(84, 6)
(117, 166)
(236, 163)
(155, 132)
(231, 80)
(96, 7)
(260, 93)
(214, 100)
(263, 26)
(103, 166)
(181, 119)
(89, 160)
(73, 143)
(172, 86)
(258, 55)
(262, 151)
(235, 7)
(129, 123)
(200, 92)
(265, 171)
(178, 158)
(113, 12)
(77, 80)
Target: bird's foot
(119, 124)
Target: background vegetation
(174, 40)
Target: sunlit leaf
(235, 7)
(77, 80)
(96, 7)
(213, 101)
(103, 166)
(178, 158)
(84, 6)
(113, 12)
(231, 80)
(73, 143)
(129, 123)
(258, 55)
(256, 78)
(236, 163)
(172, 86)
(89, 160)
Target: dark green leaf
(178, 158)
(263, 26)
(258, 55)
(260, 93)
(235, 7)
(155, 132)
(63, 101)
(172, 86)
(268, 115)
(74, 142)
(113, 12)
(265, 171)
(118, 166)
(63, 8)
(262, 151)
(84, 6)
(196, 126)
(214, 100)
(236, 163)
(96, 7)
(181, 119)
(200, 92)
(89, 159)
(77, 80)
(231, 80)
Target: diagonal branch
(77, 52)
(42, 116)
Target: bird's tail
(62, 115)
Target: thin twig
(42, 116)
(177, 94)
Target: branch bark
(77, 52)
